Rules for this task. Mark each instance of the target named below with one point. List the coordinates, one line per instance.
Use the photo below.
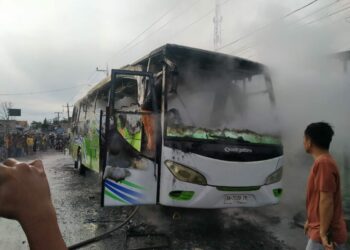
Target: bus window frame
(90, 107)
(95, 100)
(116, 72)
(111, 102)
(267, 79)
(79, 111)
(74, 115)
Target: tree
(45, 125)
(36, 125)
(4, 114)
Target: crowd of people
(23, 144)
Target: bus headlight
(274, 177)
(185, 174)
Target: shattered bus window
(209, 104)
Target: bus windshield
(218, 105)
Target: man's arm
(326, 207)
(43, 232)
(25, 197)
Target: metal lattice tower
(217, 24)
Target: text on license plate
(238, 198)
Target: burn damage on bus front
(191, 128)
(220, 109)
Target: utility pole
(103, 70)
(217, 25)
(67, 107)
(58, 116)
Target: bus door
(130, 173)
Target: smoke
(310, 86)
(221, 97)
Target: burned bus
(182, 127)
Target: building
(12, 126)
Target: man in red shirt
(325, 225)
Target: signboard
(14, 112)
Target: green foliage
(36, 125)
(45, 125)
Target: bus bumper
(183, 194)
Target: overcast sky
(48, 45)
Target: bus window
(81, 117)
(258, 111)
(137, 128)
(209, 102)
(126, 94)
(90, 107)
(74, 119)
(74, 115)
(83, 110)
(101, 101)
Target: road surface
(77, 202)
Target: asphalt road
(77, 202)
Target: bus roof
(100, 84)
(209, 57)
(344, 55)
(195, 54)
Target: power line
(244, 49)
(91, 75)
(186, 27)
(153, 24)
(193, 23)
(41, 92)
(301, 8)
(127, 45)
(241, 49)
(329, 15)
(347, 6)
(89, 80)
(76, 94)
(267, 25)
(310, 14)
(318, 10)
(145, 30)
(161, 27)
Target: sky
(55, 46)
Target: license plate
(238, 198)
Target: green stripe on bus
(113, 196)
(130, 184)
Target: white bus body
(182, 127)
